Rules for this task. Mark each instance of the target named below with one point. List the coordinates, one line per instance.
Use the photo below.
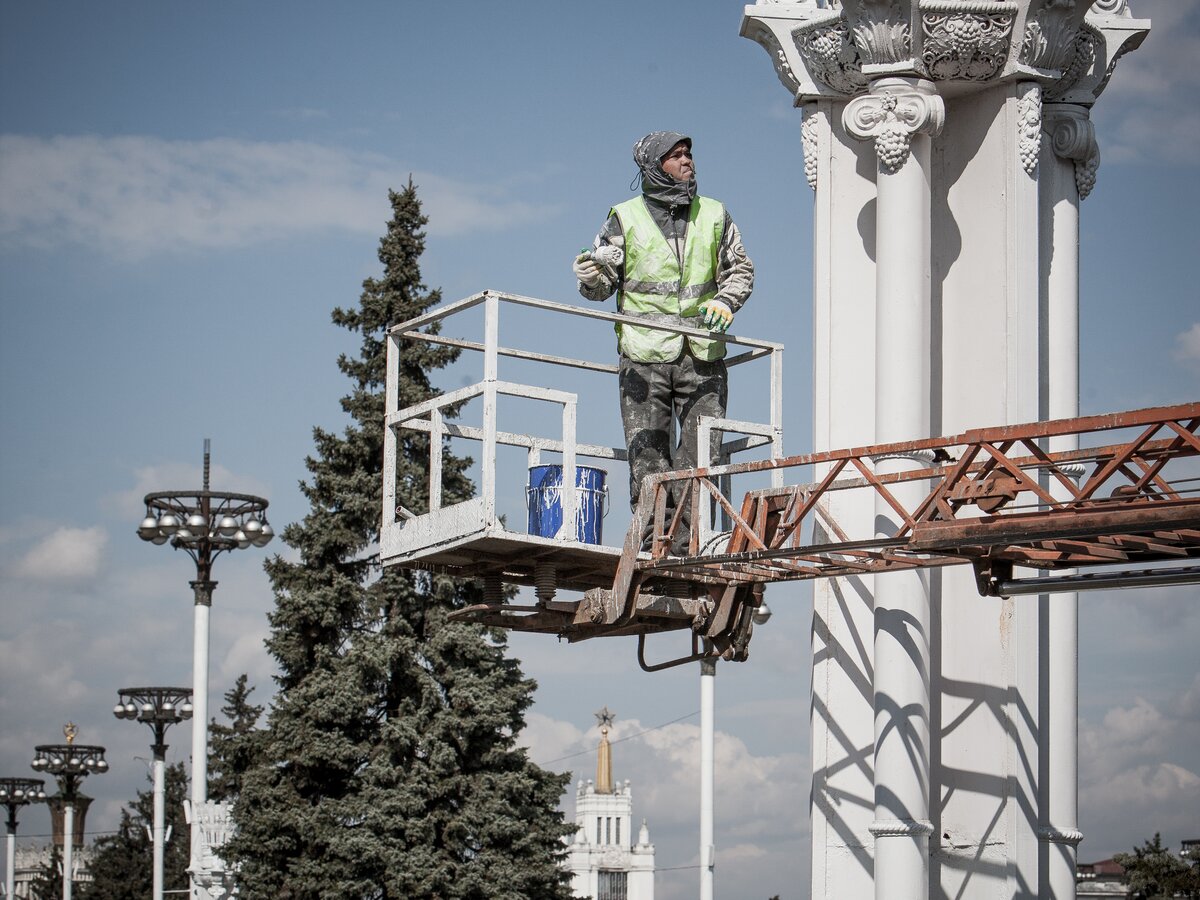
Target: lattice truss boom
(995, 498)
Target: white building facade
(949, 145)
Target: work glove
(586, 269)
(717, 315)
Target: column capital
(202, 592)
(833, 48)
(895, 110)
(1073, 137)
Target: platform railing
(431, 416)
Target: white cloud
(137, 195)
(1138, 774)
(549, 739)
(65, 556)
(247, 655)
(1187, 346)
(1188, 707)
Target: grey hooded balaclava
(657, 185)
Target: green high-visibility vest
(655, 287)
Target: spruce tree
(389, 766)
(122, 864)
(1153, 872)
(233, 748)
(47, 884)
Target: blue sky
(187, 190)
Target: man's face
(678, 162)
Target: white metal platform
(470, 539)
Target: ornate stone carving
(1112, 64)
(895, 109)
(831, 56)
(1049, 41)
(762, 35)
(900, 828)
(1083, 55)
(923, 458)
(211, 877)
(1073, 137)
(882, 32)
(820, 47)
(1085, 173)
(1060, 835)
(1029, 125)
(808, 139)
(783, 69)
(966, 41)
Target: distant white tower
(604, 862)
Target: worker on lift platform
(671, 256)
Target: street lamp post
(15, 793)
(160, 708)
(69, 763)
(204, 524)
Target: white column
(491, 372)
(899, 114)
(708, 852)
(200, 641)
(160, 782)
(1067, 170)
(10, 858)
(68, 859)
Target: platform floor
(513, 555)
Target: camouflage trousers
(659, 400)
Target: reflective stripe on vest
(655, 288)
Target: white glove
(587, 270)
(608, 255)
(717, 315)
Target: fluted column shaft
(1066, 172)
(900, 114)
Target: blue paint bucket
(543, 498)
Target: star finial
(605, 718)
(69, 731)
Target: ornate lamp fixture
(160, 708)
(15, 793)
(204, 524)
(69, 763)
